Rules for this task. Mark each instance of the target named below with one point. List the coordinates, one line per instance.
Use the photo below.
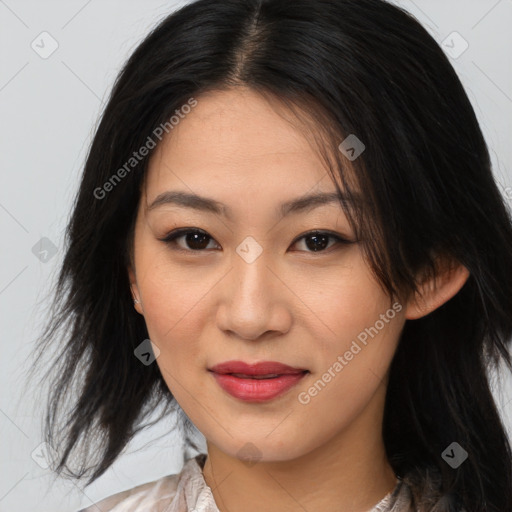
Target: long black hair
(351, 67)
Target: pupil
(197, 240)
(316, 246)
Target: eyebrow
(206, 204)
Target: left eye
(197, 240)
(318, 241)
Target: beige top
(188, 492)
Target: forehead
(237, 139)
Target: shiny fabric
(188, 492)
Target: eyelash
(170, 239)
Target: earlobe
(434, 292)
(135, 291)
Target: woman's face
(252, 288)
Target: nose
(254, 301)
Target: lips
(258, 382)
(264, 369)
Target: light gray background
(49, 109)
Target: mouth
(256, 377)
(257, 382)
(265, 369)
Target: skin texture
(291, 304)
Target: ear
(434, 292)
(135, 290)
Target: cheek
(174, 318)
(174, 314)
(350, 374)
(357, 334)
(174, 303)
(343, 302)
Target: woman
(288, 232)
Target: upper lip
(261, 368)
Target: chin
(263, 449)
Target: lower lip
(257, 390)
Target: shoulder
(140, 496)
(155, 496)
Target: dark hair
(362, 67)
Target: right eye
(195, 240)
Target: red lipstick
(256, 382)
